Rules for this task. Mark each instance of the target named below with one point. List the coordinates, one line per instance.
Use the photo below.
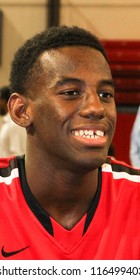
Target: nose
(92, 107)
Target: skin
(74, 92)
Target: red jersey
(109, 230)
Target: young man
(65, 199)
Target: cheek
(113, 117)
(47, 119)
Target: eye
(71, 93)
(106, 95)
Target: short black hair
(5, 93)
(27, 55)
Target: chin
(95, 163)
(86, 165)
(96, 159)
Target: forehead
(84, 63)
(69, 59)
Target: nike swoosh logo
(9, 254)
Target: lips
(92, 137)
(93, 134)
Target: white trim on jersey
(7, 180)
(120, 175)
(125, 175)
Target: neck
(64, 194)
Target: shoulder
(5, 162)
(121, 170)
(7, 165)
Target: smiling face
(73, 108)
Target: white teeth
(81, 132)
(99, 133)
(91, 132)
(76, 133)
(88, 133)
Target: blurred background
(115, 22)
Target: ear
(19, 110)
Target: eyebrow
(107, 82)
(67, 80)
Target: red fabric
(114, 232)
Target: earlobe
(19, 110)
